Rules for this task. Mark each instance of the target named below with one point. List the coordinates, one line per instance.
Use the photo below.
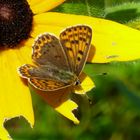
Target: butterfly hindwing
(43, 78)
(46, 84)
(29, 71)
(47, 50)
(76, 43)
(24, 70)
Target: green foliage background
(115, 110)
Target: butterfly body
(59, 62)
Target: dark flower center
(5, 12)
(15, 22)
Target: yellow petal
(3, 133)
(61, 102)
(111, 41)
(45, 5)
(15, 98)
(29, 44)
(34, 2)
(66, 109)
(40, 29)
(86, 84)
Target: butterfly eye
(77, 83)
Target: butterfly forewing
(76, 43)
(47, 50)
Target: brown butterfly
(59, 62)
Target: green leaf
(82, 7)
(134, 24)
(123, 11)
(127, 72)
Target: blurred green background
(114, 113)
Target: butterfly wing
(50, 56)
(47, 84)
(41, 77)
(76, 43)
(47, 50)
(26, 71)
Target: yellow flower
(111, 42)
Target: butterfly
(58, 61)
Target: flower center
(5, 12)
(15, 22)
